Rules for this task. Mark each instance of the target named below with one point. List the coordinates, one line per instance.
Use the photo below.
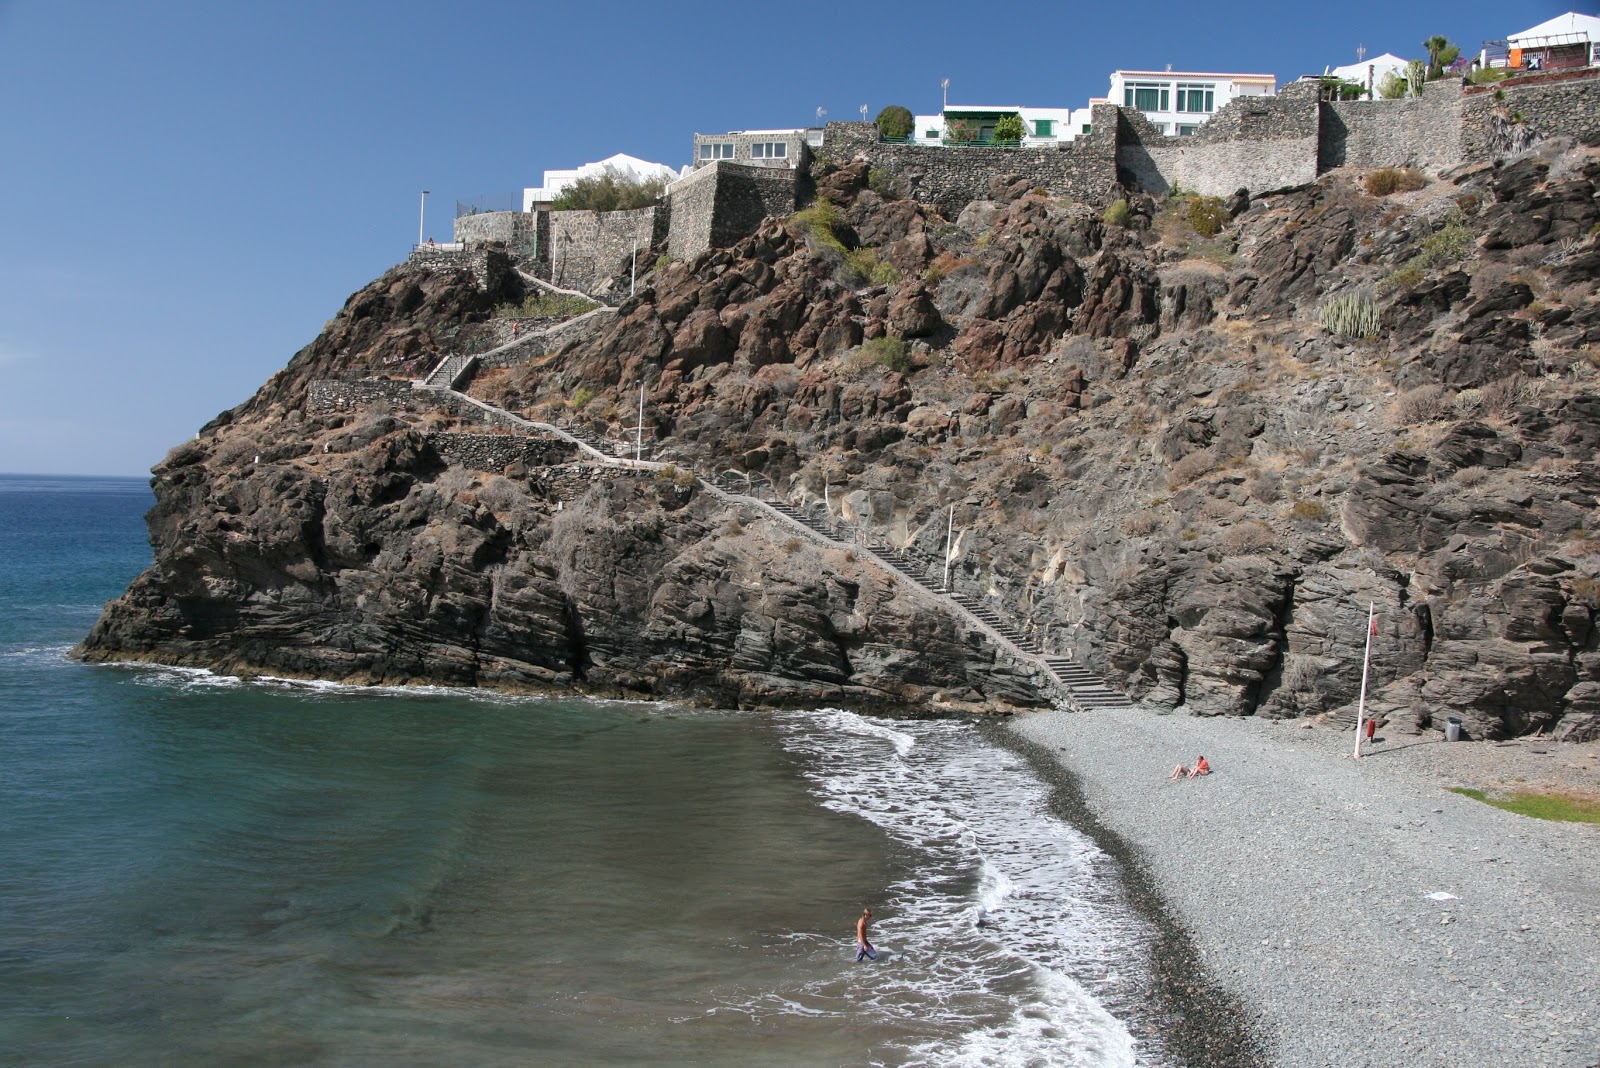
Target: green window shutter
(1043, 127)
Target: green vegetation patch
(610, 191)
(1118, 214)
(817, 222)
(1541, 806)
(546, 305)
(1445, 246)
(895, 122)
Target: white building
(1369, 73)
(623, 166)
(1570, 40)
(1177, 102)
(974, 124)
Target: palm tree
(1441, 53)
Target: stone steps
(1071, 683)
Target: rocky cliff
(1189, 459)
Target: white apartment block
(974, 124)
(1178, 102)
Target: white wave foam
(1012, 988)
(149, 674)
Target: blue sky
(191, 190)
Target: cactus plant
(1352, 314)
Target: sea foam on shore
(1304, 878)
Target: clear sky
(191, 189)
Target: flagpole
(1361, 706)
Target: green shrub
(889, 353)
(1333, 88)
(1118, 214)
(610, 190)
(895, 121)
(663, 261)
(1207, 215)
(1391, 86)
(546, 305)
(1308, 510)
(1488, 75)
(1386, 180)
(1445, 246)
(960, 130)
(818, 221)
(580, 397)
(875, 271)
(883, 183)
(1352, 314)
(1009, 128)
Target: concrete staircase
(1069, 684)
(1077, 685)
(447, 375)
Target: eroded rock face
(376, 562)
(1160, 462)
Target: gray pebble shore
(1303, 877)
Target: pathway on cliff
(1069, 684)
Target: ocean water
(199, 870)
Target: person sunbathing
(1201, 767)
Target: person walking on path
(863, 943)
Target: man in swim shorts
(863, 944)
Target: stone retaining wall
(329, 395)
(1420, 132)
(588, 247)
(1559, 102)
(519, 232)
(950, 178)
(496, 452)
(1257, 143)
(489, 266)
(347, 395)
(721, 203)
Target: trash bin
(1452, 729)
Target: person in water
(863, 943)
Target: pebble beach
(1362, 913)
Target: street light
(422, 213)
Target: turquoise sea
(197, 870)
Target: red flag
(1374, 627)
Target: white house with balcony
(974, 124)
(1178, 102)
(623, 166)
(1570, 40)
